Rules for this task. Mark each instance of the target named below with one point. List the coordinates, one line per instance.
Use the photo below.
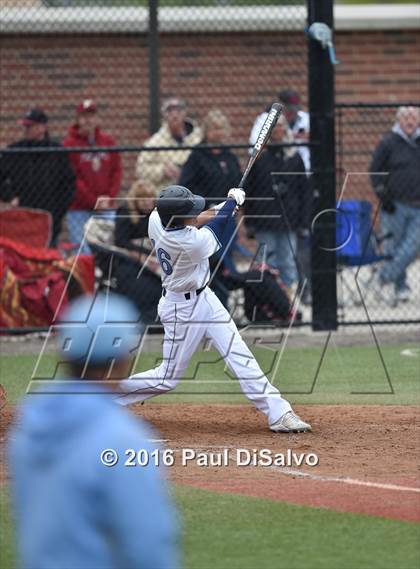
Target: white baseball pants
(186, 323)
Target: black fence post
(154, 76)
(322, 136)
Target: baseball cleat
(290, 423)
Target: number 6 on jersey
(164, 258)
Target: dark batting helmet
(177, 201)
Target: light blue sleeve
(144, 522)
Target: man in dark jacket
(210, 173)
(42, 180)
(279, 204)
(395, 177)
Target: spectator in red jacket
(98, 174)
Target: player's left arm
(209, 242)
(217, 225)
(206, 216)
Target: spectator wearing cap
(36, 179)
(76, 504)
(161, 169)
(98, 174)
(297, 119)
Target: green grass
(347, 375)
(7, 545)
(224, 530)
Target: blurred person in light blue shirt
(72, 511)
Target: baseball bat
(263, 138)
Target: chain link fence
(378, 189)
(105, 103)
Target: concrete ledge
(377, 17)
(14, 20)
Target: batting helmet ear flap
(165, 220)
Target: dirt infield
(368, 455)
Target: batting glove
(237, 194)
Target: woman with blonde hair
(140, 201)
(282, 203)
(137, 274)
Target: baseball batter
(184, 237)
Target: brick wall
(238, 72)
(378, 66)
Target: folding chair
(357, 245)
(32, 227)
